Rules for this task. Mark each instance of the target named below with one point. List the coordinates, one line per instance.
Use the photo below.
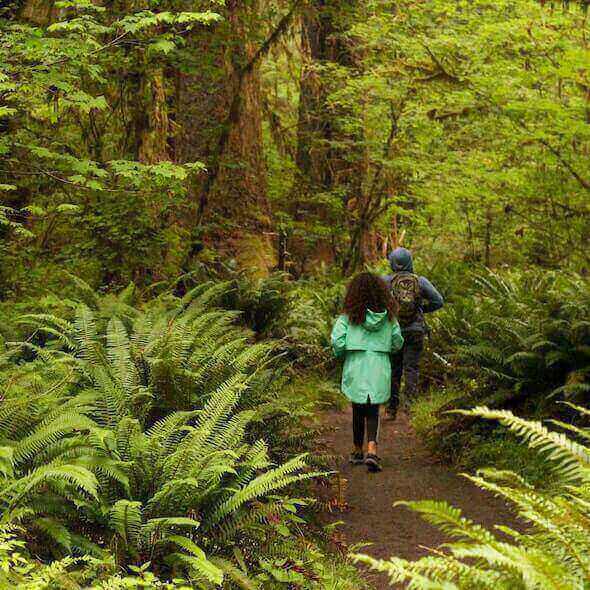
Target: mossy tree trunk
(219, 116)
(152, 122)
(329, 157)
(239, 190)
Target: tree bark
(220, 120)
(239, 188)
(219, 117)
(152, 117)
(324, 166)
(39, 12)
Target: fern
(126, 521)
(196, 560)
(569, 458)
(137, 432)
(553, 553)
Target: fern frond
(236, 575)
(449, 520)
(78, 477)
(48, 434)
(86, 336)
(195, 559)
(55, 531)
(568, 456)
(118, 354)
(126, 520)
(263, 485)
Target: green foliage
(134, 429)
(506, 339)
(19, 570)
(152, 427)
(307, 322)
(261, 300)
(425, 413)
(526, 332)
(488, 116)
(71, 171)
(463, 125)
(551, 552)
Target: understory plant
(550, 550)
(506, 339)
(134, 430)
(525, 336)
(307, 322)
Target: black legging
(365, 413)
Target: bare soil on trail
(410, 472)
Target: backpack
(405, 289)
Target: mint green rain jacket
(366, 348)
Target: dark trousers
(406, 362)
(365, 417)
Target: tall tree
(329, 152)
(219, 115)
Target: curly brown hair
(368, 291)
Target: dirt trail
(410, 472)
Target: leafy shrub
(552, 553)
(261, 300)
(19, 570)
(513, 340)
(479, 446)
(527, 333)
(134, 429)
(307, 322)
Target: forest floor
(410, 472)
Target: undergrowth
(158, 432)
(550, 552)
(509, 340)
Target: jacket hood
(401, 260)
(374, 320)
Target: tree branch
(583, 182)
(440, 65)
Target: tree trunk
(152, 124)
(324, 166)
(220, 120)
(240, 192)
(313, 118)
(39, 12)
(488, 238)
(218, 114)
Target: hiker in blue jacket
(415, 296)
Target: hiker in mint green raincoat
(365, 335)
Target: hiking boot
(356, 458)
(373, 463)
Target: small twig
(440, 65)
(81, 186)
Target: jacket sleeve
(432, 298)
(397, 340)
(339, 332)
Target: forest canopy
(138, 138)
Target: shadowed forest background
(186, 186)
